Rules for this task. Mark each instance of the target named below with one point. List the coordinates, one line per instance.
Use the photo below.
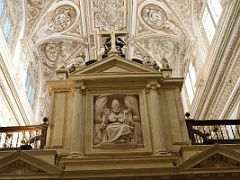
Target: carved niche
(117, 121)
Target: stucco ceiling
(66, 32)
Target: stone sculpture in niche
(117, 120)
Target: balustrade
(23, 137)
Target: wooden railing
(23, 137)
(214, 131)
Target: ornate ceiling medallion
(62, 18)
(52, 51)
(108, 12)
(156, 18)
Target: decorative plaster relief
(59, 18)
(182, 9)
(142, 29)
(156, 18)
(109, 12)
(161, 48)
(57, 53)
(34, 9)
(179, 4)
(228, 89)
(62, 18)
(117, 121)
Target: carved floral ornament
(62, 18)
(156, 18)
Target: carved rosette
(62, 18)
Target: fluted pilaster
(78, 118)
(157, 124)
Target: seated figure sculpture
(115, 126)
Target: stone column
(77, 123)
(157, 124)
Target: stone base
(119, 145)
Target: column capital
(79, 87)
(83, 89)
(152, 85)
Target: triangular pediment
(217, 156)
(115, 64)
(20, 167)
(21, 163)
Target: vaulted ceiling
(68, 31)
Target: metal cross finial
(113, 34)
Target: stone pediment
(21, 163)
(215, 157)
(115, 64)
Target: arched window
(215, 9)
(211, 17)
(29, 85)
(7, 28)
(1, 8)
(190, 82)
